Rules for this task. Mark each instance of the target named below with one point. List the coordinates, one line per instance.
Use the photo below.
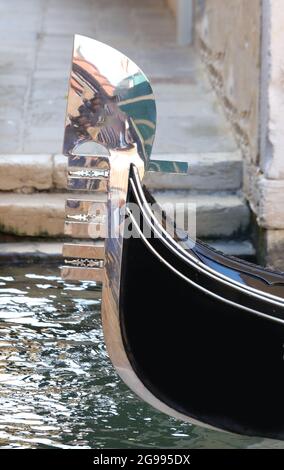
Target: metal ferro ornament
(197, 334)
(110, 103)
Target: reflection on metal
(76, 163)
(85, 263)
(83, 274)
(85, 230)
(85, 218)
(83, 183)
(111, 104)
(110, 101)
(89, 173)
(74, 250)
(88, 209)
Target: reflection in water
(57, 386)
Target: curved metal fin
(110, 105)
(110, 101)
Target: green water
(57, 385)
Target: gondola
(197, 334)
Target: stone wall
(270, 178)
(228, 35)
(241, 43)
(172, 5)
(264, 183)
(273, 159)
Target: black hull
(196, 334)
(209, 348)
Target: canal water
(57, 385)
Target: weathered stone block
(33, 215)
(216, 215)
(274, 247)
(37, 214)
(60, 171)
(25, 172)
(206, 172)
(266, 198)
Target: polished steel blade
(83, 250)
(111, 106)
(110, 102)
(82, 274)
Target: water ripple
(57, 386)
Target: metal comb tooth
(79, 258)
(88, 161)
(88, 173)
(72, 273)
(85, 219)
(76, 183)
(84, 262)
(80, 250)
(85, 230)
(85, 210)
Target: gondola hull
(204, 358)
(197, 334)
